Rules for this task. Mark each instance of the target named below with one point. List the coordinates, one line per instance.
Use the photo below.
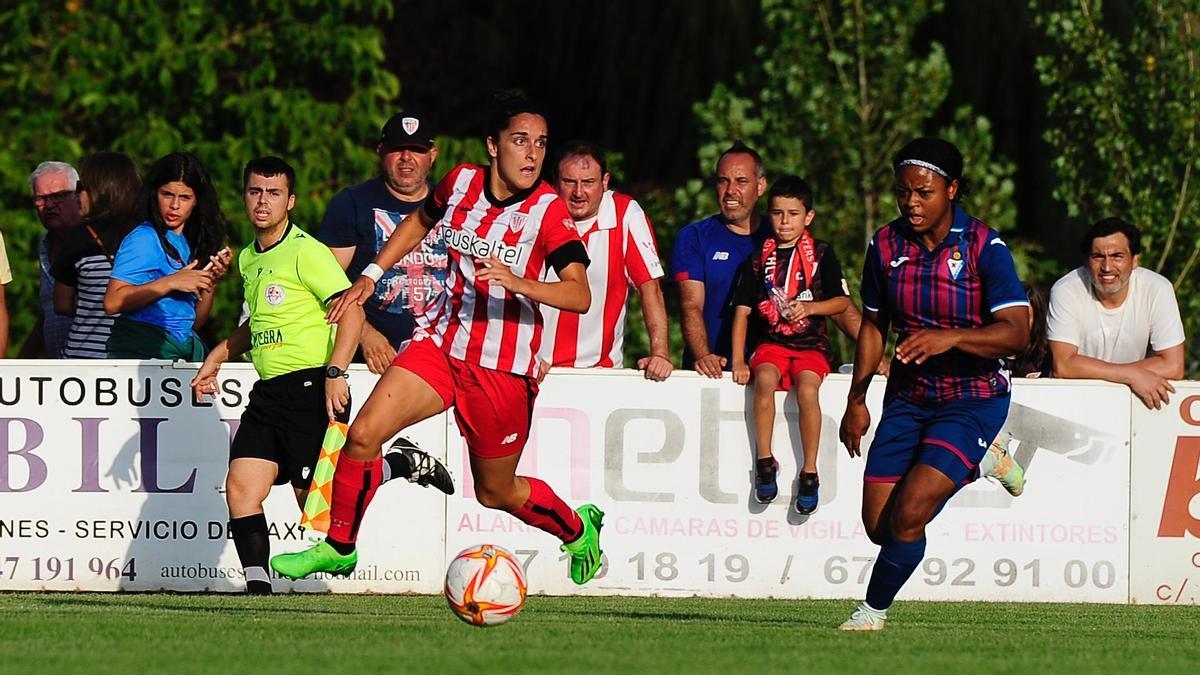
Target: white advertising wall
(111, 478)
(670, 464)
(1164, 547)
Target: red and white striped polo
(620, 243)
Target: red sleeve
(558, 228)
(435, 205)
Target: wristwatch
(333, 372)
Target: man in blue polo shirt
(706, 258)
(708, 253)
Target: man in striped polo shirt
(620, 243)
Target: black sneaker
(765, 486)
(410, 462)
(806, 493)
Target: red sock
(545, 511)
(354, 485)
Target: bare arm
(205, 381)
(867, 353)
(1008, 335)
(570, 293)
(122, 296)
(741, 321)
(848, 321)
(343, 254)
(654, 312)
(404, 239)
(408, 235)
(657, 366)
(830, 307)
(1145, 378)
(204, 307)
(349, 328)
(695, 333)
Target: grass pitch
(99, 633)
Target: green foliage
(225, 80)
(1123, 111)
(838, 88)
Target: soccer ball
(485, 585)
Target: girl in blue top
(166, 270)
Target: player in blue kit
(947, 284)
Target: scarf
(801, 266)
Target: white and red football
(485, 585)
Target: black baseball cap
(406, 129)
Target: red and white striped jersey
(473, 320)
(620, 243)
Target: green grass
(137, 634)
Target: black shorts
(284, 422)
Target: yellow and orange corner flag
(320, 493)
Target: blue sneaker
(766, 489)
(807, 496)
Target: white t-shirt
(1147, 322)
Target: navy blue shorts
(950, 438)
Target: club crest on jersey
(518, 221)
(955, 263)
(410, 125)
(274, 294)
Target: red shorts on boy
(494, 409)
(790, 362)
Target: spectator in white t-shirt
(1113, 320)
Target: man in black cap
(361, 218)
(357, 223)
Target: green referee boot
(319, 558)
(586, 555)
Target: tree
(1123, 117)
(225, 80)
(838, 87)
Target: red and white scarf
(801, 266)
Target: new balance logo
(721, 255)
(508, 439)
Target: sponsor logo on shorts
(508, 439)
(304, 473)
(274, 294)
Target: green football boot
(585, 551)
(319, 558)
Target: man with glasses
(54, 186)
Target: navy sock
(896, 562)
